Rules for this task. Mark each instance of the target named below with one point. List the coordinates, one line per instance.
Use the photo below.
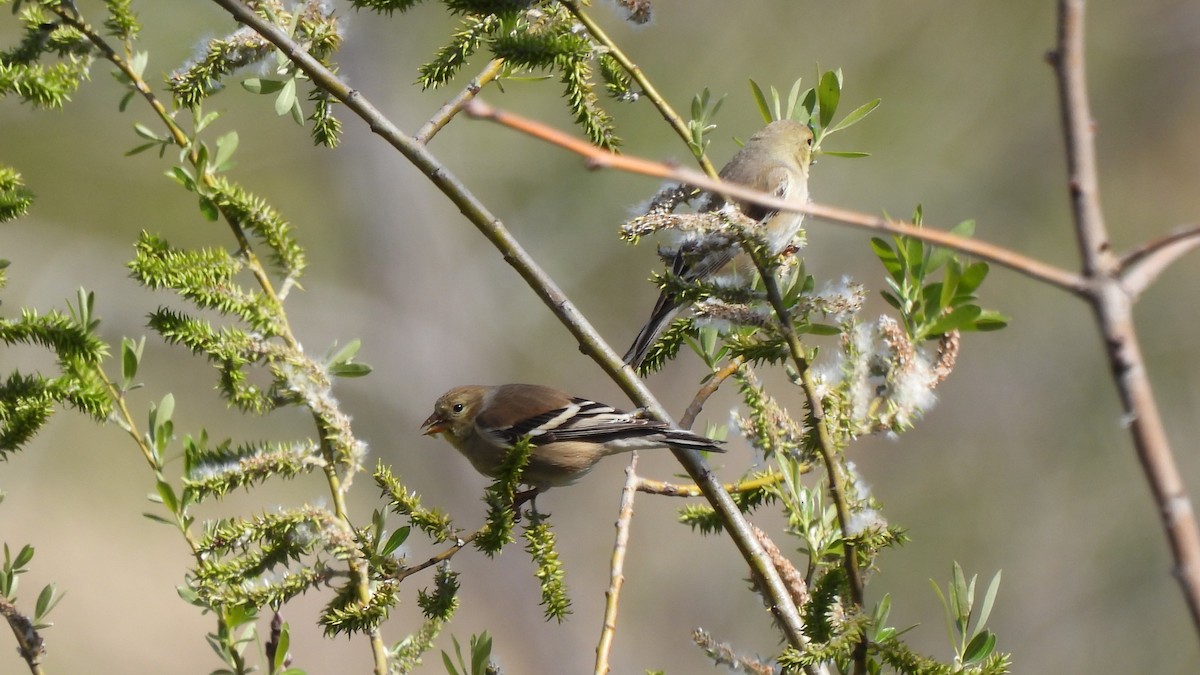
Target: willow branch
(826, 445)
(591, 343)
(644, 82)
(664, 489)
(1113, 308)
(455, 105)
(602, 159)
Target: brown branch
(709, 388)
(1113, 308)
(616, 578)
(1143, 265)
(602, 159)
(452, 107)
(591, 343)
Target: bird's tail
(665, 311)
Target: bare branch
(616, 578)
(602, 159)
(1142, 266)
(1114, 309)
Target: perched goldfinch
(568, 434)
(775, 160)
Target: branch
(1114, 309)
(452, 107)
(616, 578)
(644, 82)
(602, 159)
(30, 645)
(658, 487)
(709, 388)
(1142, 266)
(591, 343)
(826, 444)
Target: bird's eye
(457, 408)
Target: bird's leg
(520, 498)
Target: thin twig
(602, 159)
(664, 489)
(547, 290)
(452, 107)
(709, 388)
(459, 544)
(1114, 309)
(1143, 265)
(648, 90)
(616, 577)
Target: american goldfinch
(775, 160)
(568, 434)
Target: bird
(774, 160)
(568, 434)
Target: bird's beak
(434, 425)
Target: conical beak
(434, 424)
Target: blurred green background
(1024, 466)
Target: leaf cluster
(931, 307)
(531, 36)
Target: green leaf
(848, 154)
(43, 601)
(481, 650)
(209, 209)
(972, 277)
(23, 557)
(855, 116)
(208, 119)
(829, 93)
(889, 257)
(990, 320)
(286, 98)
(980, 647)
(281, 649)
(226, 145)
(141, 148)
(988, 599)
(131, 355)
(261, 85)
(395, 541)
(958, 319)
(793, 98)
(148, 133)
(760, 100)
(167, 493)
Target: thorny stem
(548, 291)
(638, 76)
(1113, 308)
